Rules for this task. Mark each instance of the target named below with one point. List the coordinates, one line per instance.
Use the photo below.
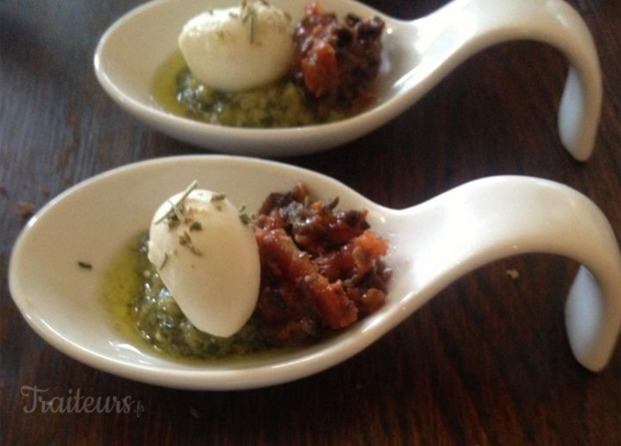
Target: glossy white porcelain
(432, 244)
(417, 55)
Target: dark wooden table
(485, 363)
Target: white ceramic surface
(417, 55)
(432, 245)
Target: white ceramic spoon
(417, 55)
(432, 245)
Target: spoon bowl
(417, 55)
(432, 245)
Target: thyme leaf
(85, 265)
(243, 216)
(248, 14)
(186, 241)
(176, 209)
(217, 199)
(196, 226)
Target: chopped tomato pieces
(321, 268)
(320, 70)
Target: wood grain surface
(485, 363)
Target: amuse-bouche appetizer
(252, 66)
(213, 281)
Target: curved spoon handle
(464, 27)
(499, 217)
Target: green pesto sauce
(143, 310)
(281, 104)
